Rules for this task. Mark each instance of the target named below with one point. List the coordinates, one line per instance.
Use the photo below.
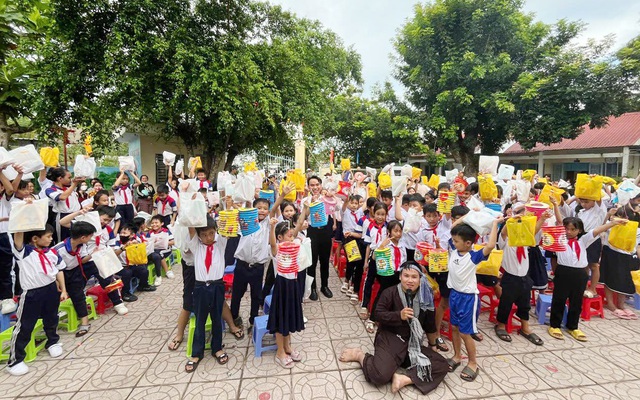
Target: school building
(613, 150)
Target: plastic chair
(267, 304)
(228, 285)
(592, 307)
(510, 326)
(259, 331)
(192, 331)
(69, 318)
(342, 266)
(5, 321)
(635, 301)
(152, 274)
(103, 303)
(135, 282)
(543, 305)
(37, 342)
(448, 331)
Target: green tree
(23, 23)
(482, 71)
(629, 57)
(221, 76)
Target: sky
(370, 26)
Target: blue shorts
(465, 310)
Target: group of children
(277, 257)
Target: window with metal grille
(161, 169)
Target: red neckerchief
(434, 231)
(396, 256)
(202, 183)
(164, 203)
(76, 254)
(355, 218)
(379, 233)
(43, 259)
(575, 245)
(208, 259)
(520, 253)
(123, 189)
(62, 190)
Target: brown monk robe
(392, 343)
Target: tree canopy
(483, 71)
(221, 76)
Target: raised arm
(136, 179)
(609, 225)
(493, 237)
(119, 180)
(285, 191)
(70, 189)
(398, 208)
(6, 183)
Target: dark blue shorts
(465, 310)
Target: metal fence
(274, 164)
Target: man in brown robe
(393, 338)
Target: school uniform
(350, 223)
(123, 197)
(442, 231)
(410, 239)
(103, 239)
(374, 236)
(321, 247)
(158, 254)
(570, 281)
(51, 216)
(593, 218)
(516, 283)
(208, 292)
(188, 278)
(616, 266)
(463, 299)
(130, 271)
(62, 208)
(40, 298)
(6, 251)
(285, 315)
(398, 256)
(204, 184)
(166, 208)
(252, 255)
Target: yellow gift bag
(521, 231)
(87, 145)
(50, 156)
(137, 254)
(416, 173)
(292, 195)
(345, 164)
(434, 182)
(488, 189)
(623, 237)
(588, 187)
(434, 286)
(528, 174)
(438, 260)
(372, 189)
(297, 177)
(549, 191)
(492, 265)
(635, 275)
(384, 180)
(250, 166)
(352, 250)
(609, 181)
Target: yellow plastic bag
(416, 173)
(492, 265)
(87, 145)
(521, 231)
(137, 254)
(434, 286)
(528, 174)
(384, 180)
(623, 237)
(345, 164)
(50, 156)
(438, 260)
(372, 189)
(352, 250)
(635, 275)
(488, 189)
(608, 181)
(549, 191)
(434, 182)
(250, 166)
(195, 163)
(588, 187)
(543, 180)
(292, 195)
(298, 178)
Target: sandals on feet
(295, 356)
(239, 334)
(578, 335)
(532, 337)
(477, 337)
(222, 358)
(174, 344)
(502, 334)
(191, 366)
(630, 314)
(556, 333)
(370, 326)
(441, 345)
(286, 363)
(468, 374)
(363, 313)
(621, 314)
(453, 365)
(83, 330)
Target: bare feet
(351, 355)
(399, 381)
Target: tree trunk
(5, 134)
(464, 153)
(231, 155)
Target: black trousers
(156, 258)
(569, 284)
(34, 304)
(269, 281)
(515, 290)
(320, 251)
(368, 283)
(6, 265)
(207, 301)
(127, 213)
(76, 279)
(385, 283)
(138, 271)
(242, 276)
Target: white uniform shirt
(593, 217)
(38, 268)
(199, 250)
(72, 258)
(376, 235)
(510, 261)
(462, 271)
(350, 221)
(67, 206)
(255, 249)
(569, 257)
(123, 194)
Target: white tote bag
(505, 172)
(127, 163)
(450, 175)
(179, 167)
(480, 222)
(489, 165)
(398, 185)
(106, 262)
(245, 189)
(27, 158)
(304, 256)
(193, 212)
(26, 217)
(5, 158)
(474, 204)
(413, 221)
(406, 171)
(168, 158)
(92, 217)
(161, 241)
(180, 235)
(84, 166)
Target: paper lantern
(554, 238)
(230, 222)
(422, 253)
(249, 221)
(352, 251)
(287, 258)
(438, 260)
(318, 215)
(383, 262)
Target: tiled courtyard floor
(127, 358)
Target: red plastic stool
(592, 307)
(334, 246)
(533, 298)
(103, 303)
(488, 301)
(601, 293)
(228, 285)
(446, 332)
(374, 294)
(342, 266)
(510, 326)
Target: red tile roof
(620, 132)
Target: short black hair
(158, 218)
(444, 186)
(81, 228)
(211, 224)
(314, 177)
(430, 208)
(539, 185)
(473, 188)
(261, 200)
(418, 198)
(406, 199)
(576, 222)
(459, 211)
(386, 194)
(130, 226)
(392, 225)
(465, 232)
(138, 222)
(371, 201)
(28, 236)
(106, 210)
(162, 189)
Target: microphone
(408, 295)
